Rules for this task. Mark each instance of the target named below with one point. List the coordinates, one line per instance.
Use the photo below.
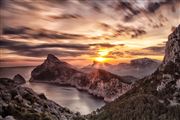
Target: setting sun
(100, 59)
(102, 53)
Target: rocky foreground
(155, 97)
(21, 103)
(98, 82)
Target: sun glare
(102, 55)
(100, 59)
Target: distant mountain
(97, 82)
(155, 97)
(95, 65)
(137, 68)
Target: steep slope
(98, 82)
(53, 69)
(23, 103)
(103, 83)
(155, 97)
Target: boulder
(19, 79)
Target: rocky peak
(172, 51)
(143, 62)
(52, 58)
(100, 74)
(53, 61)
(19, 79)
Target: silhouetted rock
(19, 79)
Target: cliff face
(103, 83)
(98, 82)
(21, 103)
(155, 97)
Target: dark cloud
(107, 45)
(97, 8)
(10, 44)
(44, 52)
(68, 46)
(22, 48)
(133, 32)
(25, 32)
(152, 7)
(18, 30)
(66, 16)
(105, 26)
(152, 50)
(136, 53)
(156, 49)
(128, 8)
(142, 53)
(2, 3)
(61, 2)
(127, 5)
(43, 34)
(116, 54)
(138, 32)
(94, 4)
(121, 30)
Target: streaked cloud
(78, 29)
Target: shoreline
(73, 86)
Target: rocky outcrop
(106, 84)
(19, 79)
(21, 103)
(155, 97)
(54, 70)
(98, 82)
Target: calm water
(77, 101)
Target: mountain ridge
(137, 68)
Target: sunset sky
(80, 31)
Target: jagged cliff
(155, 97)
